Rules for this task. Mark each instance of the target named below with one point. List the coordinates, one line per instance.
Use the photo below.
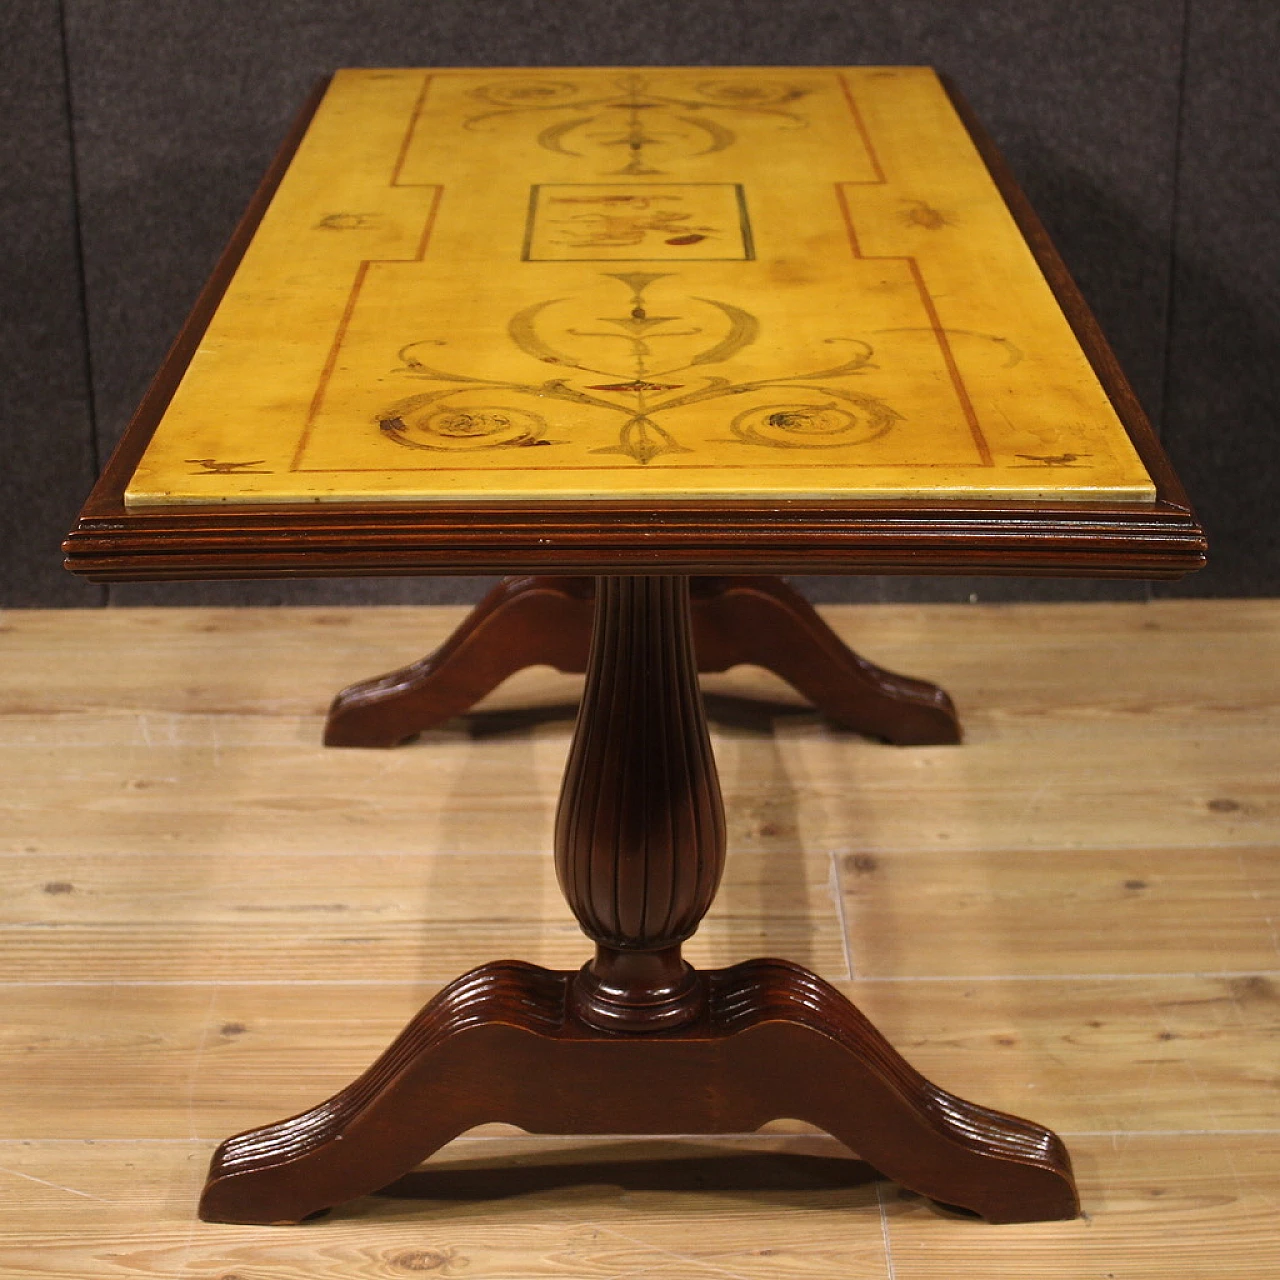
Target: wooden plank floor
(210, 922)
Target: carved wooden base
(535, 621)
(771, 1040)
(637, 1041)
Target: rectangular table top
(626, 284)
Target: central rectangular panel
(654, 283)
(671, 222)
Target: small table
(656, 335)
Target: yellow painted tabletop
(637, 283)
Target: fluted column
(640, 828)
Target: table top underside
(659, 283)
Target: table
(646, 338)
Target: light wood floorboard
(387, 917)
(179, 1060)
(209, 921)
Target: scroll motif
(423, 422)
(813, 409)
(635, 121)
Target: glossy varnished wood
(526, 622)
(769, 1039)
(640, 828)
(1153, 540)
(637, 1041)
(764, 622)
(161, 801)
(1164, 1207)
(522, 622)
(853, 317)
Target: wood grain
(1105, 743)
(1166, 657)
(1174, 1208)
(605, 1209)
(382, 918)
(1203, 782)
(1047, 782)
(298, 397)
(1161, 1208)
(709, 536)
(1002, 912)
(182, 1060)
(1138, 726)
(1125, 1055)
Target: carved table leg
(522, 622)
(529, 621)
(764, 622)
(637, 1041)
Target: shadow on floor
(640, 1165)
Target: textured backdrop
(134, 131)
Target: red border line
(861, 126)
(944, 345)
(926, 298)
(414, 117)
(331, 360)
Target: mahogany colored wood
(504, 1043)
(532, 621)
(522, 622)
(1141, 540)
(637, 1041)
(711, 536)
(764, 622)
(640, 833)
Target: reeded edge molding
(1130, 540)
(765, 990)
(527, 621)
(763, 621)
(1123, 541)
(775, 1041)
(518, 994)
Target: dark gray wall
(1222, 399)
(135, 131)
(48, 453)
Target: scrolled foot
(521, 623)
(839, 1073)
(764, 622)
(502, 1043)
(416, 1097)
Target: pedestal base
(543, 621)
(637, 1041)
(503, 1043)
